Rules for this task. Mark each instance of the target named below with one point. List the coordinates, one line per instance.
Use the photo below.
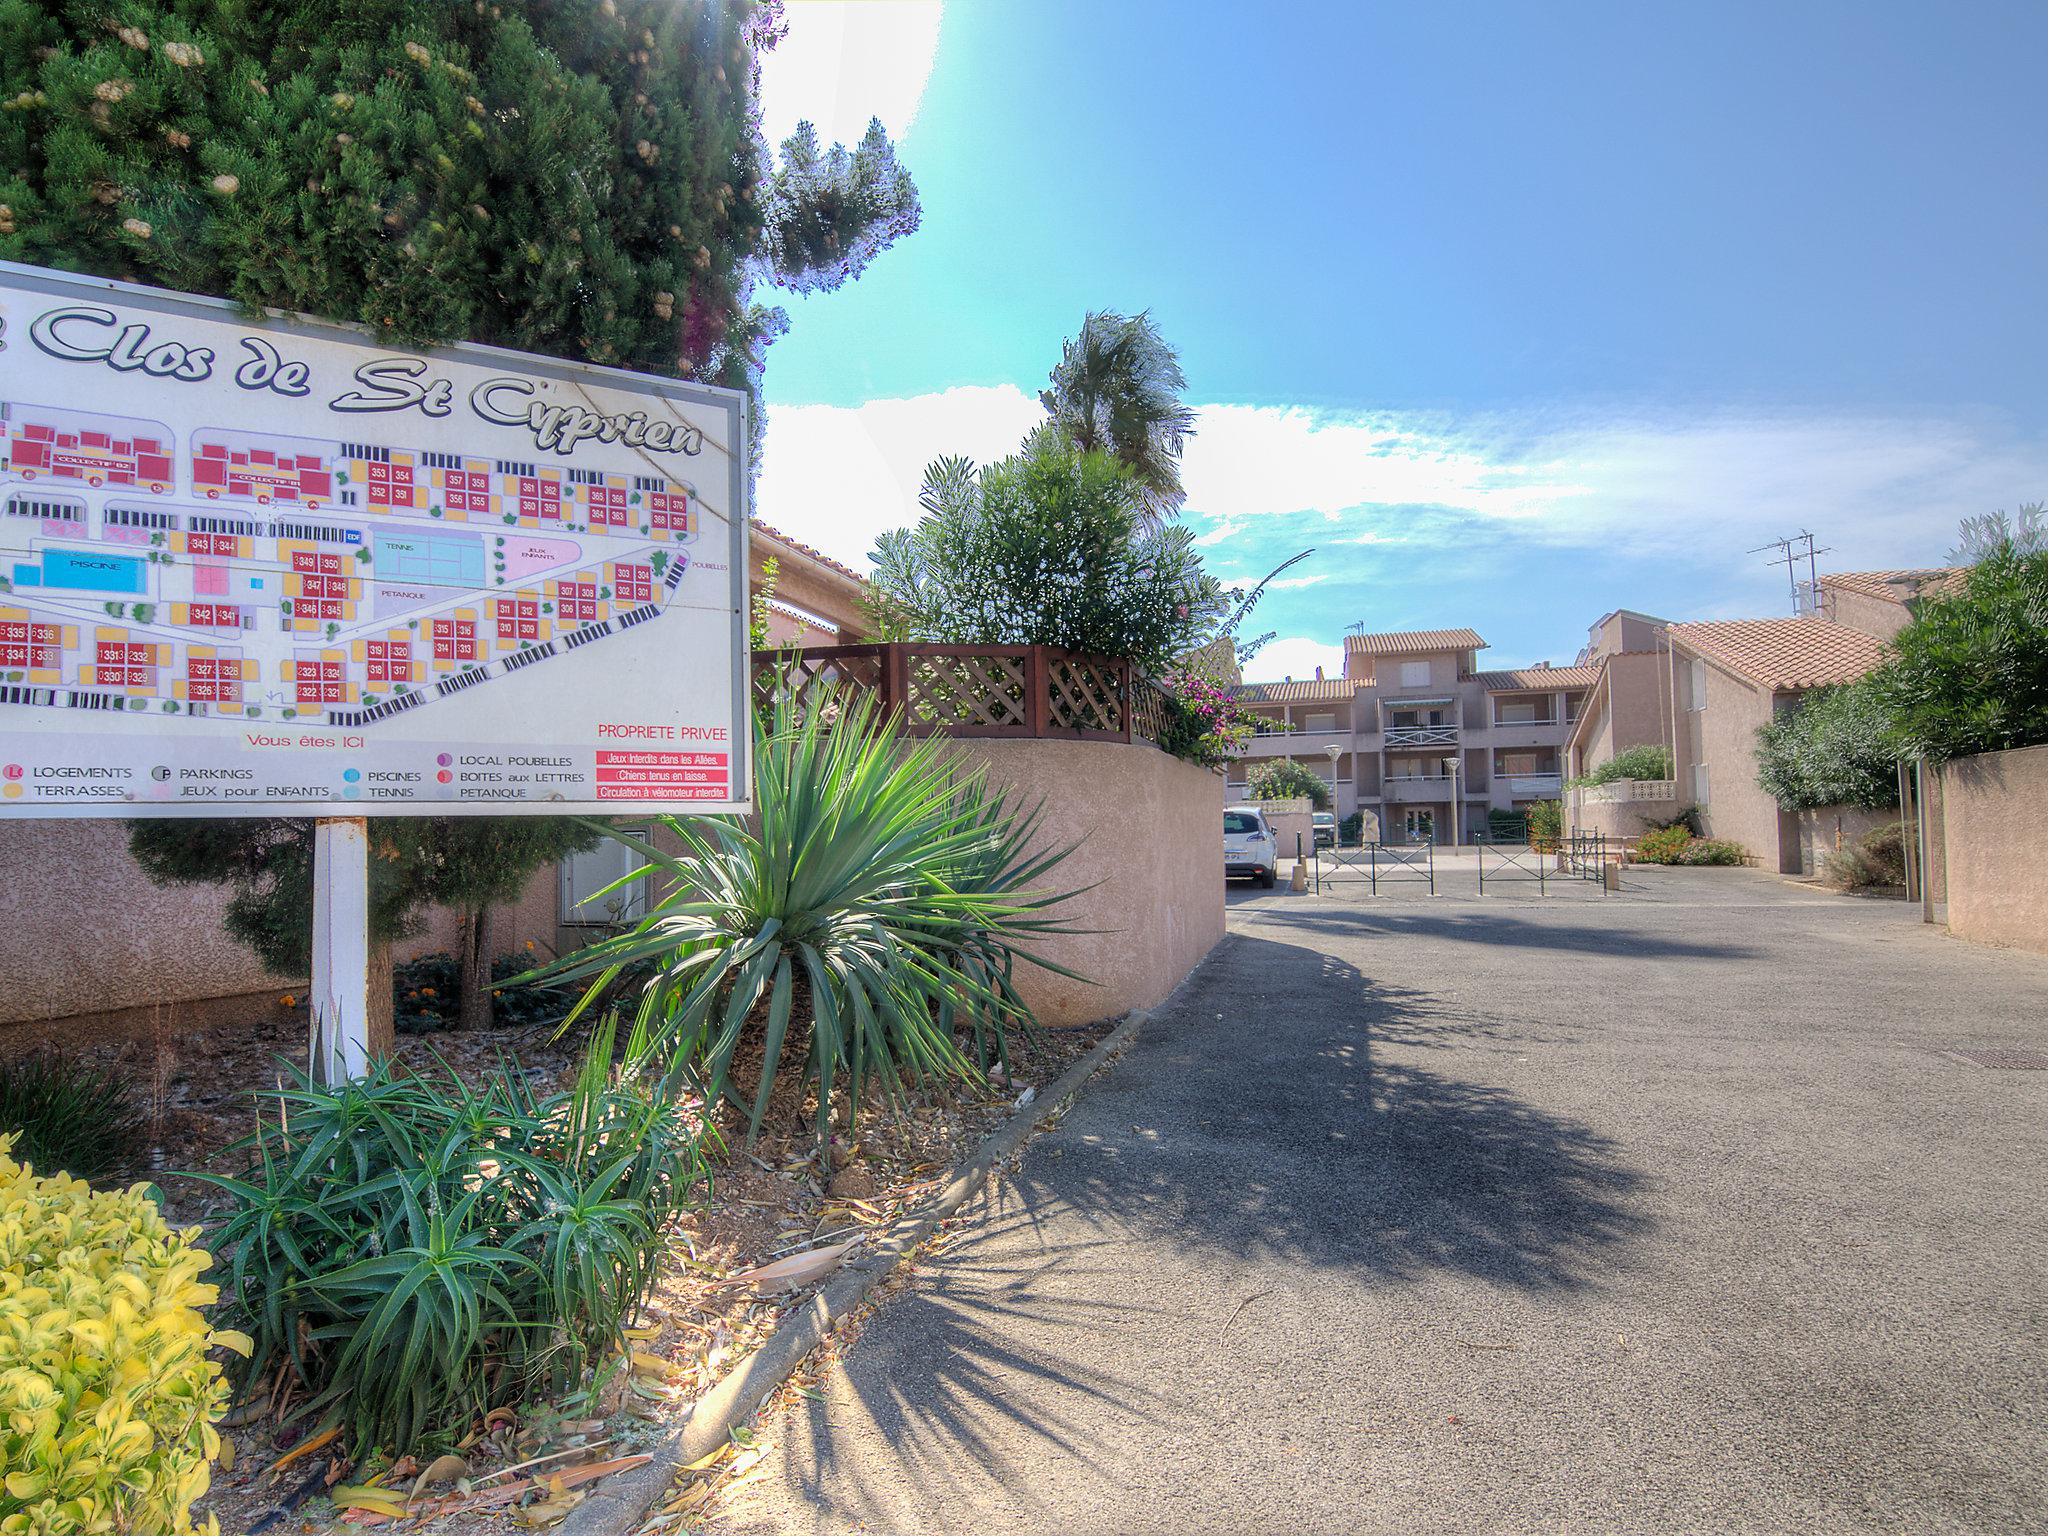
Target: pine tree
(468, 863)
(581, 178)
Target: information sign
(271, 566)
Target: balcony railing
(1296, 743)
(1408, 787)
(1422, 735)
(1533, 783)
(980, 690)
(1622, 791)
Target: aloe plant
(872, 918)
(407, 1252)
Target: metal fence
(1590, 855)
(1512, 863)
(1374, 864)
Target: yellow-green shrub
(107, 1397)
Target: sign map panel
(268, 566)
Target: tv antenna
(1793, 549)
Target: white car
(1249, 847)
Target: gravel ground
(1663, 1211)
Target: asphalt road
(1660, 1212)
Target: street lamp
(1451, 764)
(1333, 751)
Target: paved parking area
(1659, 1211)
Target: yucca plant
(874, 913)
(409, 1252)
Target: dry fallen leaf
(556, 1506)
(442, 1469)
(708, 1459)
(797, 1269)
(306, 1448)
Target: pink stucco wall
(1996, 847)
(83, 930)
(1723, 736)
(1624, 818)
(1881, 617)
(1147, 835)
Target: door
(1419, 826)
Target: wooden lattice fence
(981, 690)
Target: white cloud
(1294, 656)
(846, 61)
(835, 476)
(1703, 489)
(1880, 489)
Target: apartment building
(1704, 689)
(1879, 602)
(1415, 733)
(1418, 734)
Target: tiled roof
(1536, 677)
(1898, 586)
(1414, 642)
(1316, 691)
(804, 549)
(1784, 653)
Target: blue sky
(1515, 314)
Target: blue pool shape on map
(433, 558)
(85, 572)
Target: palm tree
(1117, 391)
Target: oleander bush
(1285, 779)
(66, 1116)
(1675, 844)
(108, 1397)
(1878, 858)
(411, 1252)
(1663, 846)
(864, 929)
(1834, 746)
(1711, 850)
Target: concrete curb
(622, 1501)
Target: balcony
(1306, 745)
(1397, 789)
(1509, 734)
(1422, 736)
(1545, 785)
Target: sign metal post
(340, 997)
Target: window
(585, 874)
(1320, 723)
(1701, 789)
(1414, 674)
(1241, 821)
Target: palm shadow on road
(1288, 1116)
